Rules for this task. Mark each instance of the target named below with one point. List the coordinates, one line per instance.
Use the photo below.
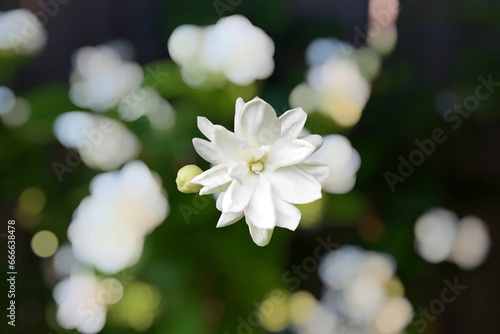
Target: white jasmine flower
(261, 169)
(82, 301)
(233, 47)
(109, 226)
(343, 160)
(101, 78)
(21, 32)
(103, 143)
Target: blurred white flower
(21, 32)
(109, 226)
(440, 236)
(103, 143)
(261, 169)
(343, 160)
(149, 103)
(435, 233)
(233, 47)
(472, 243)
(101, 78)
(14, 111)
(7, 100)
(335, 81)
(82, 301)
(357, 297)
(64, 262)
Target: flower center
(256, 167)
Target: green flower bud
(184, 177)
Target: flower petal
(316, 140)
(238, 194)
(207, 151)
(229, 145)
(292, 122)
(287, 215)
(220, 199)
(261, 236)
(260, 209)
(206, 127)
(258, 123)
(294, 185)
(237, 116)
(238, 171)
(214, 180)
(229, 218)
(287, 151)
(320, 171)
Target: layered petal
(238, 171)
(320, 171)
(237, 116)
(292, 122)
(257, 123)
(315, 140)
(287, 215)
(294, 185)
(229, 145)
(261, 236)
(287, 151)
(228, 218)
(207, 151)
(206, 127)
(214, 180)
(260, 209)
(238, 194)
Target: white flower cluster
(361, 295)
(103, 143)
(109, 226)
(233, 47)
(343, 160)
(337, 80)
(101, 78)
(21, 32)
(14, 111)
(440, 236)
(82, 301)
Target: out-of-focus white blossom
(343, 160)
(233, 47)
(440, 236)
(149, 103)
(357, 298)
(103, 143)
(334, 81)
(21, 32)
(14, 111)
(261, 169)
(472, 243)
(64, 262)
(7, 100)
(109, 226)
(101, 78)
(435, 233)
(82, 301)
